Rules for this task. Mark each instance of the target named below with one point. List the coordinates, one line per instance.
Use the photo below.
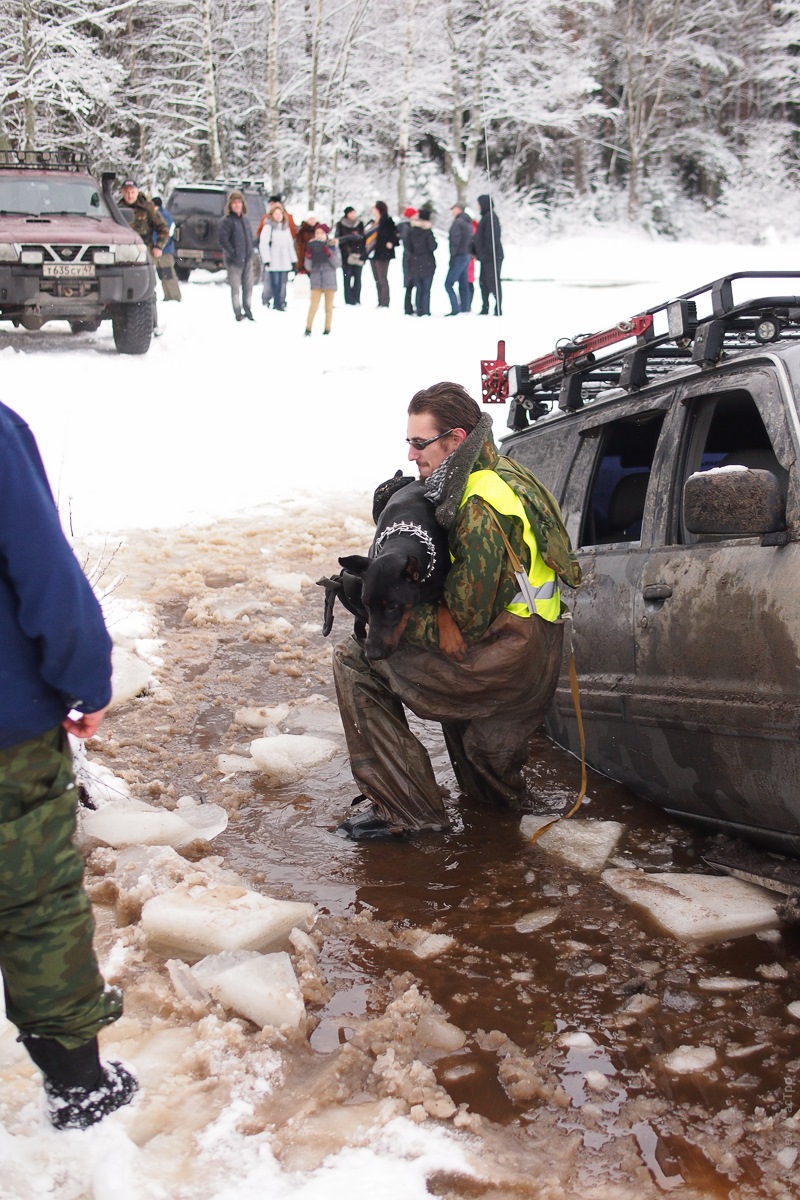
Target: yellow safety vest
(544, 584)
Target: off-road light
(103, 258)
(132, 253)
(32, 257)
(768, 329)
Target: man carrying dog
(491, 702)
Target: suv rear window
(46, 196)
(210, 204)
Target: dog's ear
(355, 563)
(411, 570)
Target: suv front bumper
(24, 289)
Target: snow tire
(133, 327)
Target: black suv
(66, 252)
(197, 210)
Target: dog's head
(389, 588)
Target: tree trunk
(273, 107)
(210, 89)
(313, 133)
(454, 162)
(139, 106)
(29, 108)
(404, 132)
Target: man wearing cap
(460, 242)
(150, 226)
(236, 243)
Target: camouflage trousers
(488, 707)
(53, 987)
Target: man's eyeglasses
(421, 443)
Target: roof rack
(699, 327)
(52, 160)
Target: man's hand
(156, 252)
(451, 642)
(84, 725)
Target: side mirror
(733, 502)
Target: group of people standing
(310, 249)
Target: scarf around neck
(445, 486)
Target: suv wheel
(84, 326)
(133, 327)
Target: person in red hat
(403, 229)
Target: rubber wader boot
(80, 1090)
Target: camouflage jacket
(481, 582)
(147, 220)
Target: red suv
(67, 253)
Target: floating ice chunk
(232, 764)
(641, 1003)
(263, 717)
(586, 844)
(130, 676)
(794, 1009)
(578, 1040)
(288, 756)
(537, 920)
(596, 1081)
(773, 970)
(286, 581)
(697, 907)
(725, 983)
(688, 1059)
(432, 945)
(261, 987)
(787, 1157)
(130, 822)
(437, 1033)
(207, 919)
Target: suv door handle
(657, 591)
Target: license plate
(70, 270)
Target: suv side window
(727, 430)
(620, 479)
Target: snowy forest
(652, 111)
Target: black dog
(407, 565)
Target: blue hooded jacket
(55, 652)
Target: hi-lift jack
(658, 339)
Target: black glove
(384, 491)
(347, 589)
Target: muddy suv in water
(197, 210)
(672, 443)
(66, 253)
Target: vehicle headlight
(8, 252)
(133, 253)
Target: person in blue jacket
(165, 266)
(55, 679)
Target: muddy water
(515, 995)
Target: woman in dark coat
(381, 238)
(489, 253)
(350, 236)
(420, 245)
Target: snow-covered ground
(220, 417)
(222, 420)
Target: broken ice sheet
(261, 987)
(688, 1059)
(697, 908)
(537, 920)
(131, 822)
(586, 844)
(207, 919)
(287, 757)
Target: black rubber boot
(80, 1090)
